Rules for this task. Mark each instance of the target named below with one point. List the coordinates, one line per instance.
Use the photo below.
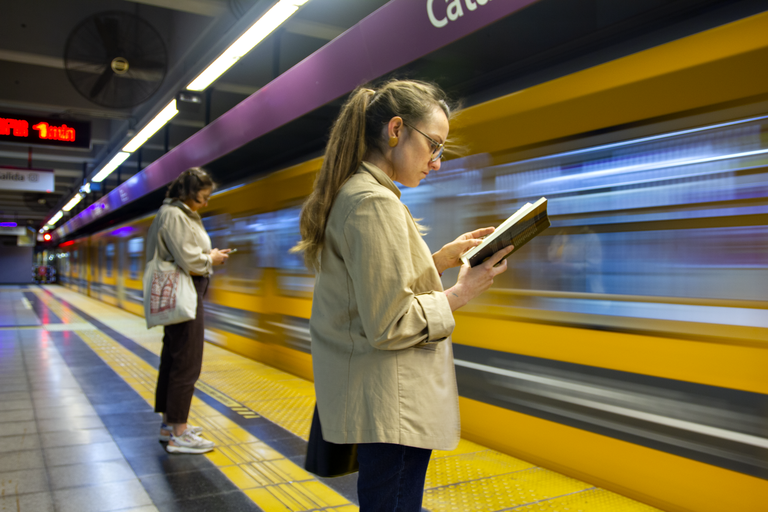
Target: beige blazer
(380, 325)
(179, 236)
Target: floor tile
(19, 443)
(94, 473)
(71, 411)
(23, 481)
(75, 437)
(28, 459)
(18, 428)
(167, 464)
(79, 423)
(102, 498)
(234, 501)
(37, 502)
(62, 401)
(19, 415)
(16, 405)
(69, 455)
(141, 447)
(185, 486)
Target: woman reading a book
(381, 321)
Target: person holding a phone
(178, 235)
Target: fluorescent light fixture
(155, 124)
(55, 218)
(111, 166)
(72, 202)
(264, 26)
(86, 189)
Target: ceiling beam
(313, 29)
(211, 8)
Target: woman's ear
(394, 127)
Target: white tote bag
(169, 294)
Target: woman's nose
(435, 166)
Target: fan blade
(101, 82)
(107, 28)
(147, 64)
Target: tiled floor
(77, 431)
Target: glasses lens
(437, 153)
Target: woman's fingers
(499, 255)
(479, 233)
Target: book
(519, 229)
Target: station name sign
(34, 180)
(44, 131)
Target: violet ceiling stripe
(394, 35)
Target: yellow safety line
(470, 478)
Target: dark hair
(189, 184)
(357, 130)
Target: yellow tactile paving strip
(470, 478)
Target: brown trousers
(181, 361)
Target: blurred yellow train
(627, 346)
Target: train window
(76, 261)
(109, 259)
(135, 254)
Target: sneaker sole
(187, 449)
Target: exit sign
(44, 131)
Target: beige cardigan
(179, 236)
(380, 325)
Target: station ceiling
(34, 79)
(550, 38)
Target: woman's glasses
(437, 148)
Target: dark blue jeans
(391, 477)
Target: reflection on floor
(77, 431)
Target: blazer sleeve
(380, 264)
(180, 242)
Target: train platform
(78, 432)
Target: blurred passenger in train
(381, 321)
(178, 234)
(577, 257)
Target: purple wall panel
(396, 34)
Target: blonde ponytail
(357, 130)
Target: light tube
(264, 26)
(72, 202)
(55, 218)
(155, 124)
(111, 166)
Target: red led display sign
(44, 131)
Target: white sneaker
(189, 442)
(167, 437)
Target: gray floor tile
(62, 401)
(102, 498)
(20, 415)
(148, 508)
(95, 473)
(69, 455)
(79, 423)
(38, 394)
(28, 459)
(25, 481)
(18, 428)
(19, 443)
(75, 437)
(8, 388)
(38, 502)
(15, 395)
(65, 413)
(16, 405)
